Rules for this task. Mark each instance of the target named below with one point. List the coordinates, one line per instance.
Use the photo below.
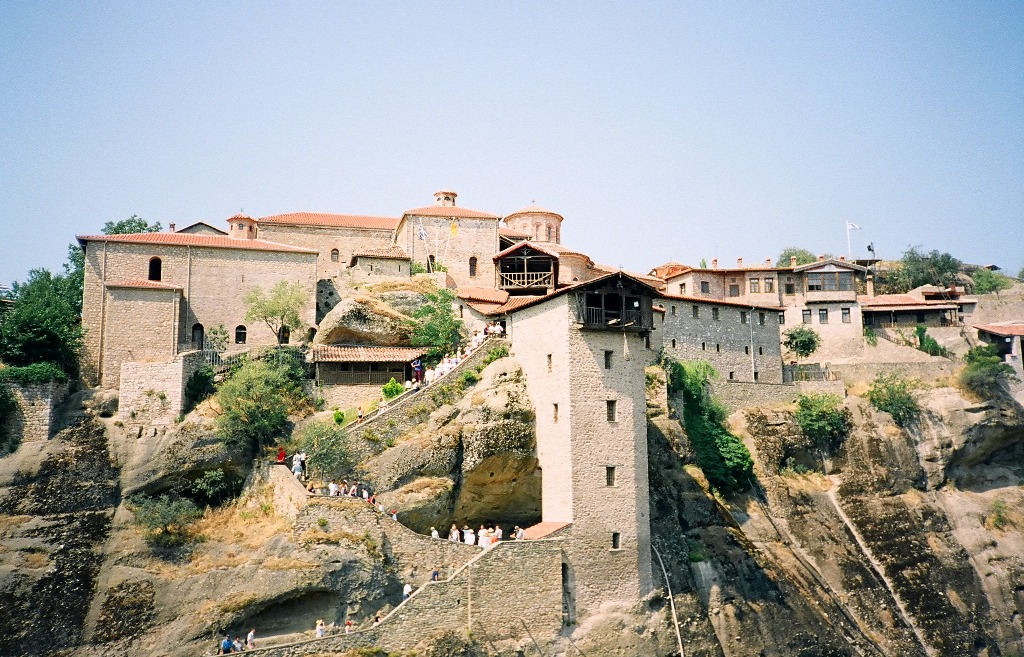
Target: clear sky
(660, 131)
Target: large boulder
(362, 320)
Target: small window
(616, 541)
(334, 255)
(823, 315)
(703, 346)
(757, 375)
(761, 318)
(682, 288)
(609, 475)
(807, 316)
(705, 287)
(549, 362)
(647, 341)
(746, 349)
(743, 317)
(155, 269)
(734, 290)
(782, 318)
(696, 311)
(760, 351)
(240, 334)
(472, 267)
(284, 335)
(549, 233)
(672, 309)
(714, 314)
(554, 412)
(371, 267)
(769, 284)
(755, 285)
(461, 310)
(611, 408)
(790, 289)
(732, 375)
(846, 315)
(673, 343)
(608, 360)
(718, 347)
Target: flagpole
(849, 250)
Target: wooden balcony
(526, 279)
(628, 319)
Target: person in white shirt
(433, 533)
(332, 489)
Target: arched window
(155, 269)
(472, 266)
(430, 263)
(198, 336)
(240, 334)
(334, 255)
(549, 233)
(283, 335)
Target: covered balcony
(617, 304)
(526, 268)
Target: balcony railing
(527, 279)
(629, 318)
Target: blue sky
(660, 131)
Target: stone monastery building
(582, 332)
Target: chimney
(768, 263)
(870, 285)
(714, 263)
(842, 258)
(445, 197)
(739, 263)
(792, 261)
(821, 258)
(171, 227)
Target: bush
(928, 344)
(43, 324)
(256, 401)
(8, 404)
(802, 341)
(823, 419)
(722, 457)
(494, 354)
(339, 416)
(34, 374)
(985, 371)
(215, 487)
(468, 378)
(327, 448)
(893, 393)
(199, 386)
(164, 520)
(870, 336)
(392, 389)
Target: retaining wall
(737, 395)
(154, 393)
(33, 417)
(493, 595)
(865, 372)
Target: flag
(455, 228)
(852, 226)
(422, 233)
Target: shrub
(997, 514)
(256, 400)
(8, 404)
(34, 374)
(392, 389)
(339, 416)
(928, 344)
(199, 386)
(468, 378)
(418, 268)
(215, 487)
(870, 336)
(164, 520)
(985, 371)
(822, 418)
(494, 354)
(802, 341)
(893, 393)
(436, 327)
(327, 448)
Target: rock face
(363, 320)
(471, 462)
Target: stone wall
(737, 395)
(327, 238)
(410, 409)
(929, 372)
(139, 325)
(476, 238)
(349, 396)
(377, 268)
(725, 342)
(33, 418)
(509, 585)
(154, 393)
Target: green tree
(436, 326)
(986, 281)
(985, 371)
(164, 520)
(131, 225)
(326, 445)
(392, 389)
(1020, 274)
(801, 340)
(932, 268)
(217, 338)
(42, 325)
(803, 256)
(823, 418)
(893, 393)
(255, 402)
(281, 309)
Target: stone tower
(242, 227)
(540, 224)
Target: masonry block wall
(325, 239)
(376, 268)
(691, 331)
(154, 393)
(737, 395)
(33, 417)
(476, 238)
(139, 325)
(842, 320)
(586, 444)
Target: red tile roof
(534, 209)
(450, 211)
(545, 249)
(194, 239)
(365, 354)
(482, 294)
(388, 253)
(542, 529)
(1005, 330)
(902, 301)
(150, 285)
(332, 220)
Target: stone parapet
(738, 395)
(154, 393)
(33, 417)
(928, 372)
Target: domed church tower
(540, 224)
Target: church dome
(540, 224)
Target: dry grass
(236, 605)
(414, 284)
(380, 308)
(205, 563)
(35, 559)
(247, 526)
(8, 523)
(277, 563)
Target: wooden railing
(629, 318)
(527, 279)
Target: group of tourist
(485, 537)
(358, 489)
(227, 646)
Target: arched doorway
(198, 336)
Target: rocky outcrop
(363, 320)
